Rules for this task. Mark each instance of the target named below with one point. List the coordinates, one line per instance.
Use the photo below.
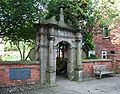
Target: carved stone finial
(61, 21)
(61, 14)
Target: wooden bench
(102, 70)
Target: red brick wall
(112, 65)
(4, 74)
(110, 44)
(117, 66)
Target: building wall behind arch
(110, 44)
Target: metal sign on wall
(19, 73)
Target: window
(112, 52)
(105, 32)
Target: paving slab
(96, 86)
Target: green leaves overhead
(108, 12)
(74, 11)
(17, 18)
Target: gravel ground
(20, 88)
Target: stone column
(70, 64)
(51, 74)
(78, 66)
(79, 50)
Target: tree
(17, 18)
(107, 12)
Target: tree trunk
(23, 51)
(19, 51)
(28, 55)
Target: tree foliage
(108, 14)
(17, 18)
(74, 10)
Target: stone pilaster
(51, 71)
(70, 64)
(79, 50)
(78, 66)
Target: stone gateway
(58, 50)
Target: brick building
(108, 46)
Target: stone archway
(49, 35)
(62, 58)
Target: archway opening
(62, 59)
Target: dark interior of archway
(62, 59)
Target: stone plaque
(19, 73)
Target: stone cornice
(96, 60)
(55, 26)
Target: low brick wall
(88, 65)
(6, 77)
(117, 65)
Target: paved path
(104, 86)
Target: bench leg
(94, 75)
(113, 74)
(100, 76)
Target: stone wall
(5, 79)
(112, 65)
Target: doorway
(62, 59)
